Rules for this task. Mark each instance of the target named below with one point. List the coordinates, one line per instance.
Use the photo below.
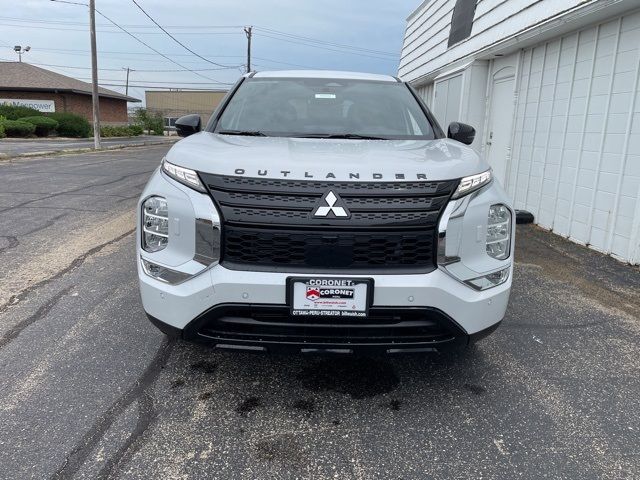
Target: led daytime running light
(183, 175)
(472, 183)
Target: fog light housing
(491, 280)
(155, 224)
(499, 232)
(164, 274)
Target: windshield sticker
(325, 95)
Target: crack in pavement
(147, 414)
(42, 312)
(73, 190)
(73, 193)
(74, 264)
(81, 452)
(12, 242)
(47, 224)
(71, 209)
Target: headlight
(183, 175)
(155, 224)
(472, 183)
(499, 232)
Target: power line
(283, 63)
(82, 52)
(193, 30)
(159, 87)
(144, 43)
(47, 49)
(113, 31)
(136, 55)
(160, 53)
(158, 82)
(300, 42)
(174, 38)
(134, 69)
(324, 42)
(269, 32)
(66, 22)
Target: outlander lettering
(331, 214)
(349, 176)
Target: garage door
(576, 151)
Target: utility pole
(247, 31)
(126, 88)
(94, 76)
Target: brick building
(24, 84)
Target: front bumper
(248, 309)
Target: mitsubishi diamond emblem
(328, 204)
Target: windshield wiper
(246, 133)
(354, 136)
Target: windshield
(324, 108)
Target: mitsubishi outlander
(324, 212)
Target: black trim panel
(385, 330)
(222, 328)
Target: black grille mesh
(269, 223)
(347, 250)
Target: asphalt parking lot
(90, 389)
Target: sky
(359, 35)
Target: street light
(19, 50)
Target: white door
(446, 105)
(500, 123)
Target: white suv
(324, 212)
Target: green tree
(153, 122)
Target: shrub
(157, 126)
(44, 125)
(153, 122)
(120, 130)
(113, 131)
(71, 125)
(2, 134)
(136, 129)
(14, 113)
(18, 128)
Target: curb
(7, 156)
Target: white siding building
(551, 87)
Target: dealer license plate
(330, 297)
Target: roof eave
(68, 90)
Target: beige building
(176, 103)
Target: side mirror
(461, 132)
(188, 125)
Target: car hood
(321, 159)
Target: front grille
(353, 250)
(268, 224)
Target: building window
(462, 20)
